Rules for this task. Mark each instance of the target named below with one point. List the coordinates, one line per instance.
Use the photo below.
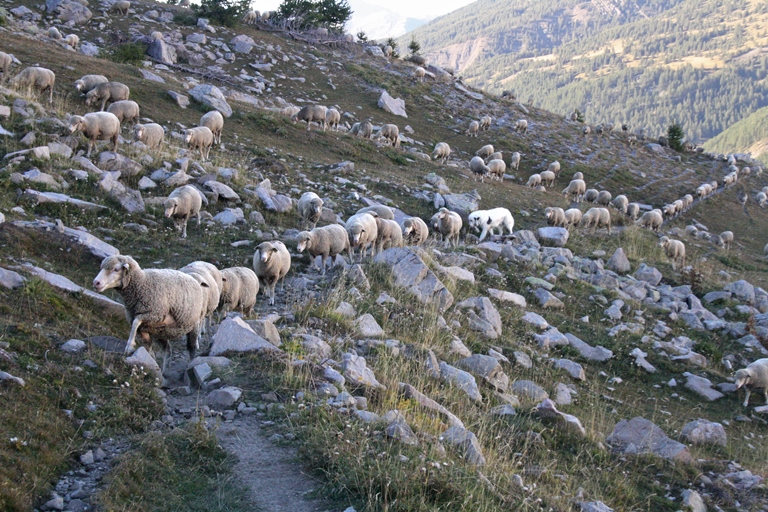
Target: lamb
(651, 220)
(548, 178)
(271, 262)
(598, 218)
(575, 189)
(327, 241)
(761, 199)
(121, 7)
(107, 91)
(488, 220)
(251, 17)
(5, 64)
(441, 152)
(332, 118)
(727, 237)
(239, 289)
(199, 137)
(54, 33)
(514, 162)
(497, 168)
(474, 127)
(310, 208)
(555, 168)
(754, 376)
(41, 79)
(573, 217)
(88, 82)
(160, 304)
(485, 151)
(478, 168)
(391, 133)
(591, 195)
(633, 210)
(415, 231)
(151, 134)
(621, 202)
(183, 203)
(389, 234)
(96, 126)
(555, 216)
(675, 250)
(310, 114)
(208, 275)
(378, 210)
(214, 121)
(72, 40)
(419, 73)
(521, 126)
(362, 232)
(485, 122)
(449, 225)
(125, 110)
(603, 198)
(533, 181)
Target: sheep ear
(489, 220)
(126, 266)
(204, 285)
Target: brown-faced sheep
(199, 137)
(239, 289)
(96, 126)
(214, 121)
(183, 203)
(310, 114)
(37, 78)
(415, 231)
(327, 241)
(88, 82)
(150, 134)
(127, 111)
(271, 262)
(310, 208)
(107, 92)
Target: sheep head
(266, 251)
(171, 205)
(113, 272)
(79, 84)
(743, 377)
(138, 131)
(303, 240)
(76, 123)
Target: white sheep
(496, 155)
(125, 110)
(207, 274)
(497, 168)
(485, 122)
(390, 133)
(239, 289)
(310, 208)
(555, 216)
(488, 220)
(157, 36)
(514, 161)
(40, 79)
(388, 234)
(727, 237)
(670, 210)
(621, 203)
(150, 134)
(754, 376)
(554, 167)
(251, 17)
(675, 250)
(534, 180)
(183, 203)
(687, 201)
(573, 216)
(327, 241)
(214, 121)
(597, 218)
(633, 210)
(704, 190)
(603, 198)
(310, 114)
(6, 60)
(478, 168)
(88, 82)
(54, 33)
(591, 195)
(378, 210)
(362, 232)
(521, 126)
(107, 91)
(363, 129)
(717, 241)
(575, 190)
(651, 220)
(441, 152)
(160, 304)
(415, 231)
(761, 199)
(290, 111)
(548, 178)
(449, 225)
(271, 262)
(388, 51)
(419, 73)
(121, 7)
(199, 137)
(72, 40)
(485, 151)
(332, 118)
(96, 126)
(578, 176)
(474, 127)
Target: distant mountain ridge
(380, 23)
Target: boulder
(692, 501)
(211, 96)
(11, 279)
(143, 358)
(234, 335)
(70, 11)
(650, 275)
(567, 422)
(588, 352)
(223, 398)
(547, 300)
(552, 236)
(410, 272)
(392, 105)
(461, 379)
(702, 387)
(535, 320)
(504, 296)
(463, 204)
(619, 262)
(367, 327)
(467, 442)
(486, 367)
(529, 391)
(355, 370)
(73, 346)
(401, 431)
(180, 99)
(704, 432)
(162, 52)
(482, 316)
(424, 401)
(741, 290)
(639, 435)
(575, 370)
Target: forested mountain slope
(749, 135)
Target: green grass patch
(129, 53)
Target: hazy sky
(408, 8)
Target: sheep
(754, 376)
(633, 210)
(41, 79)
(670, 210)
(96, 126)
(183, 203)
(362, 232)
(485, 151)
(603, 198)
(214, 121)
(208, 274)
(514, 162)
(598, 218)
(478, 168)
(609, 127)
(573, 216)
(474, 127)
(548, 178)
(391, 133)
(388, 51)
(717, 241)
(497, 168)
(575, 189)
(485, 122)
(555, 168)
(107, 91)
(620, 202)
(599, 129)
(88, 82)
(496, 155)
(624, 127)
(419, 73)
(415, 231)
(743, 198)
(448, 225)
(72, 40)
(591, 195)
(761, 199)
(239, 289)
(521, 126)
(251, 17)
(727, 237)
(125, 110)
(687, 201)
(555, 216)
(121, 7)
(332, 118)
(765, 190)
(534, 180)
(157, 36)
(378, 210)
(675, 250)
(327, 241)
(151, 134)
(271, 262)
(54, 33)
(488, 220)
(651, 220)
(199, 137)
(364, 130)
(290, 111)
(388, 234)
(161, 304)
(310, 113)
(578, 176)
(441, 152)
(704, 190)
(310, 208)
(5, 64)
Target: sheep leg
(746, 398)
(130, 345)
(103, 104)
(184, 228)
(193, 343)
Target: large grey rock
(504, 296)
(355, 370)
(650, 275)
(552, 236)
(410, 272)
(588, 352)
(529, 391)
(467, 442)
(547, 300)
(641, 361)
(535, 320)
(376, 51)
(486, 367)
(639, 435)
(95, 246)
(223, 398)
(692, 501)
(482, 316)
(222, 191)
(267, 330)
(162, 52)
(401, 431)
(367, 327)
(199, 373)
(234, 335)
(741, 290)
(111, 161)
(575, 370)
(411, 392)
(552, 337)
(230, 216)
(108, 305)
(129, 199)
(181, 100)
(73, 346)
(211, 96)
(463, 204)
(619, 262)
(704, 432)
(461, 379)
(567, 422)
(702, 387)
(11, 279)
(144, 359)
(392, 105)
(73, 11)
(4, 376)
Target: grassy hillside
(749, 135)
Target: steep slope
(749, 135)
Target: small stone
(73, 346)
(367, 327)
(86, 459)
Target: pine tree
(675, 136)
(414, 46)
